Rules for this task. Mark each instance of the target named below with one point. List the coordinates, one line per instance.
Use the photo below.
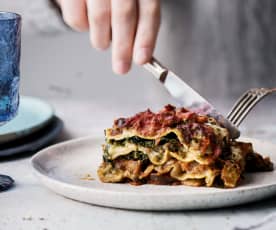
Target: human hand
(131, 24)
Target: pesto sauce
(170, 138)
(136, 155)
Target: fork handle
(157, 69)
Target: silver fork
(246, 103)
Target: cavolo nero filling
(171, 138)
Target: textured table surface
(31, 206)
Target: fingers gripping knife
(187, 96)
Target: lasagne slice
(175, 146)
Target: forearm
(45, 16)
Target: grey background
(220, 47)
(228, 46)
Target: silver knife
(187, 96)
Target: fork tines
(246, 103)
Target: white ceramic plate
(62, 166)
(33, 114)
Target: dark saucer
(33, 142)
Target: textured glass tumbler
(10, 45)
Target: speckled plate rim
(149, 197)
(14, 133)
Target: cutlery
(187, 96)
(246, 103)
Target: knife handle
(157, 69)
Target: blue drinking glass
(10, 46)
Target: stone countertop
(29, 205)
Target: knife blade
(186, 96)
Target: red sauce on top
(148, 123)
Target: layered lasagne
(175, 146)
